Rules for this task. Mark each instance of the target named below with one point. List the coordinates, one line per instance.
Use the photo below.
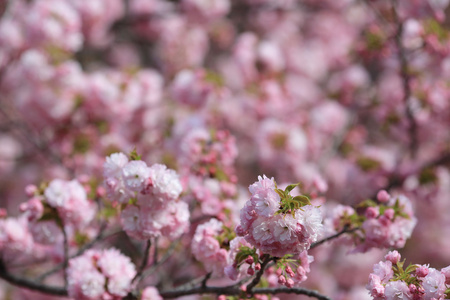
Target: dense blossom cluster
(390, 280)
(265, 226)
(61, 206)
(206, 247)
(385, 225)
(149, 195)
(100, 274)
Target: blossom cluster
(277, 223)
(206, 247)
(57, 207)
(293, 269)
(386, 224)
(149, 196)
(100, 274)
(390, 280)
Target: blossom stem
(144, 262)
(266, 259)
(344, 230)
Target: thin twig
(161, 261)
(404, 73)
(155, 253)
(205, 280)
(87, 246)
(144, 262)
(344, 230)
(66, 255)
(266, 259)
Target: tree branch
(344, 230)
(236, 291)
(144, 262)
(29, 284)
(66, 255)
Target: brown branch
(144, 262)
(66, 255)
(162, 260)
(30, 284)
(236, 291)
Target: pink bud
(249, 260)
(281, 280)
(101, 192)
(289, 271)
(290, 283)
(393, 256)
(383, 196)
(240, 231)
(30, 190)
(250, 271)
(258, 267)
(279, 271)
(412, 288)
(222, 297)
(389, 213)
(372, 212)
(422, 271)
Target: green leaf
(368, 164)
(367, 203)
(427, 175)
(280, 192)
(81, 238)
(134, 155)
(411, 268)
(290, 187)
(303, 199)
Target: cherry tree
(231, 149)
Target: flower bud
(389, 213)
(383, 196)
(422, 271)
(281, 280)
(393, 256)
(372, 212)
(290, 283)
(249, 260)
